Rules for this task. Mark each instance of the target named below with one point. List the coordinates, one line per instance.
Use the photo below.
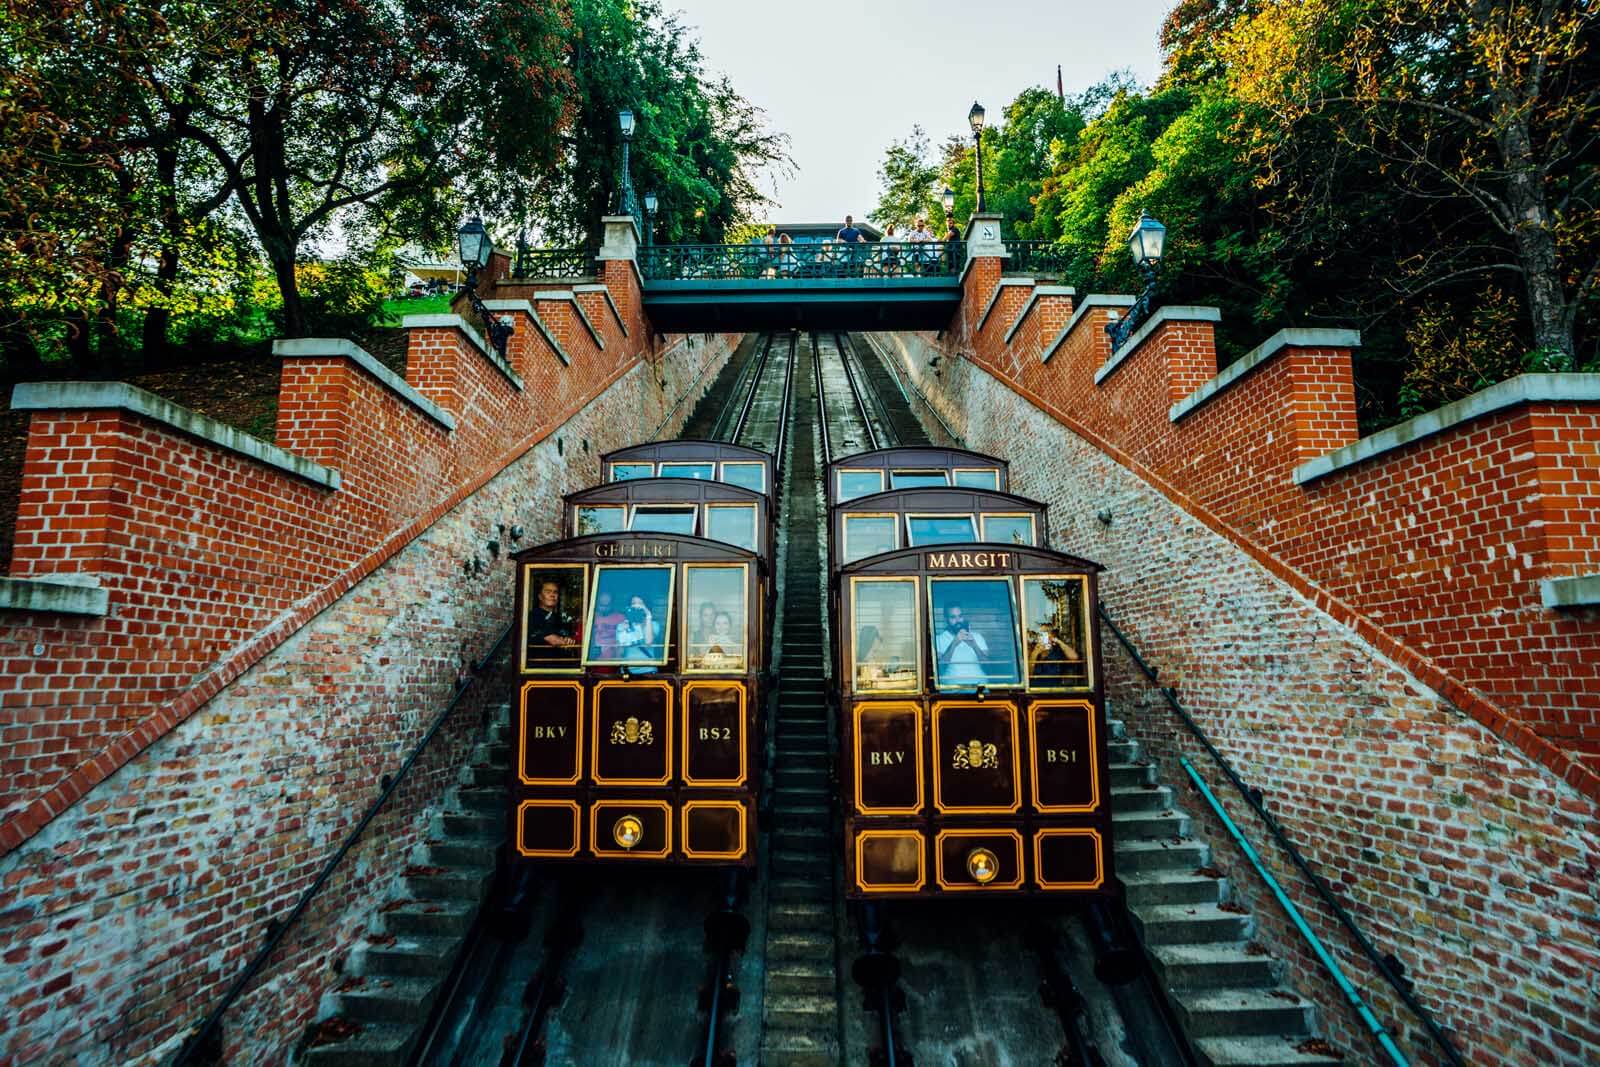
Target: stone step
(414, 957)
(1225, 966)
(800, 775)
(429, 918)
(784, 1047)
(472, 823)
(385, 999)
(800, 915)
(803, 750)
(1259, 1052)
(1116, 729)
(465, 851)
(1160, 855)
(1245, 1013)
(802, 1011)
(373, 1045)
(787, 795)
(803, 864)
(1141, 798)
(807, 815)
(1166, 825)
(495, 753)
(483, 798)
(1122, 751)
(799, 890)
(799, 976)
(484, 774)
(450, 883)
(1149, 888)
(1189, 924)
(799, 945)
(1127, 775)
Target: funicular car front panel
(636, 719)
(973, 747)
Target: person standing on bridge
(921, 235)
(889, 252)
(952, 240)
(851, 237)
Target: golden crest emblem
(975, 754)
(631, 731)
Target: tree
(1488, 106)
(910, 183)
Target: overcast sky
(844, 79)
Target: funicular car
(972, 724)
(637, 733)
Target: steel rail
(847, 348)
(719, 428)
(195, 1047)
(783, 414)
(547, 985)
(1252, 797)
(822, 405)
(755, 386)
(855, 392)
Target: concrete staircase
(1228, 992)
(383, 1006)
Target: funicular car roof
(956, 498)
(915, 456)
(686, 451)
(665, 491)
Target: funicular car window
(885, 643)
(704, 472)
(655, 518)
(1009, 529)
(975, 639)
(978, 477)
(627, 472)
(552, 625)
(868, 535)
(747, 475)
(594, 518)
(1055, 611)
(630, 615)
(853, 484)
(940, 529)
(714, 599)
(732, 524)
(905, 479)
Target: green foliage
(911, 185)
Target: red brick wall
(1474, 863)
(125, 917)
(1435, 551)
(211, 558)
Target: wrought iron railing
(554, 263)
(1036, 258)
(810, 259)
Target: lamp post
(650, 204)
(474, 246)
(948, 197)
(1146, 244)
(628, 205)
(975, 120)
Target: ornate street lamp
(650, 204)
(949, 198)
(1146, 245)
(975, 120)
(628, 205)
(474, 246)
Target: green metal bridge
(807, 285)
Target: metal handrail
(1252, 797)
(1036, 257)
(534, 263)
(809, 259)
(195, 1048)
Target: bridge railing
(1036, 258)
(803, 260)
(554, 263)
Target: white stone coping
(1285, 338)
(64, 594)
(313, 347)
(1523, 389)
(1176, 313)
(538, 324)
(1579, 591)
(448, 321)
(1033, 301)
(78, 396)
(994, 297)
(569, 297)
(1086, 305)
(604, 290)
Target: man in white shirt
(959, 651)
